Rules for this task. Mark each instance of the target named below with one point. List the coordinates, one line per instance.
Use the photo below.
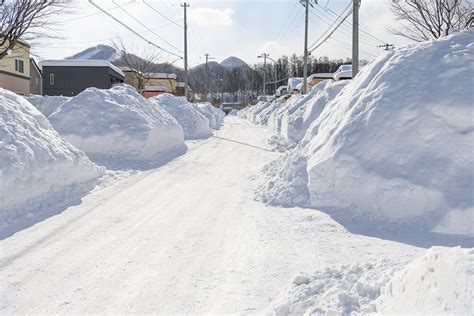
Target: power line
(161, 14)
(146, 27)
(332, 32)
(132, 30)
(361, 30)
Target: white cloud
(211, 17)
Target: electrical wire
(132, 30)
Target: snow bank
(334, 291)
(393, 144)
(440, 282)
(275, 118)
(47, 104)
(194, 124)
(297, 119)
(251, 113)
(119, 128)
(213, 114)
(36, 164)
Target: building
(180, 90)
(293, 83)
(36, 78)
(314, 79)
(159, 83)
(15, 69)
(131, 77)
(71, 77)
(282, 90)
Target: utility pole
(355, 37)
(185, 6)
(264, 56)
(305, 58)
(207, 74)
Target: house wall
(70, 81)
(131, 79)
(36, 80)
(169, 84)
(11, 79)
(17, 84)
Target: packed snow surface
(37, 166)
(185, 238)
(213, 114)
(392, 145)
(119, 128)
(440, 282)
(47, 104)
(193, 122)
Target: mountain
(101, 52)
(234, 62)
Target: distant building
(180, 90)
(36, 78)
(159, 83)
(15, 69)
(130, 77)
(294, 85)
(71, 77)
(282, 90)
(314, 79)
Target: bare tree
(430, 19)
(141, 65)
(27, 20)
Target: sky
(241, 28)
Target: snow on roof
(159, 75)
(80, 63)
(280, 88)
(321, 75)
(293, 83)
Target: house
(15, 69)
(292, 87)
(282, 90)
(314, 79)
(180, 90)
(159, 83)
(131, 77)
(36, 78)
(71, 77)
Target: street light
(265, 57)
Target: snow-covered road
(187, 237)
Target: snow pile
(194, 124)
(334, 291)
(440, 282)
(251, 113)
(119, 128)
(36, 165)
(47, 104)
(296, 121)
(393, 145)
(233, 113)
(275, 118)
(213, 114)
(264, 115)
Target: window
(51, 79)
(19, 66)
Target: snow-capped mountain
(233, 62)
(101, 52)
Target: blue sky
(221, 28)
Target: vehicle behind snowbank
(119, 128)
(194, 124)
(37, 166)
(393, 144)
